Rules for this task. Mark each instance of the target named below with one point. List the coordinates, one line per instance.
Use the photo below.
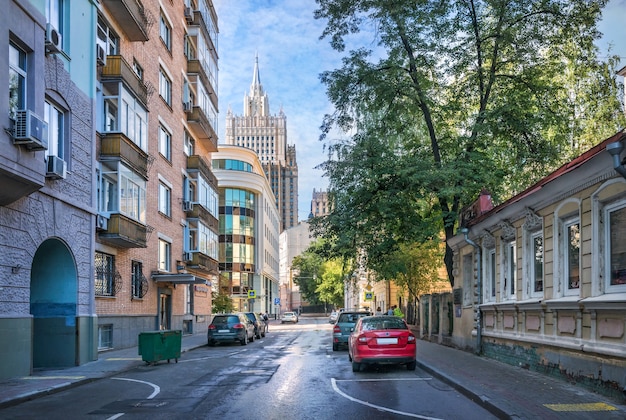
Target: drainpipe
(615, 149)
(479, 287)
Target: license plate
(223, 331)
(387, 341)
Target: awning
(179, 279)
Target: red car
(381, 340)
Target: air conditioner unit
(189, 14)
(187, 106)
(30, 130)
(53, 40)
(57, 168)
(187, 256)
(102, 222)
(187, 205)
(101, 55)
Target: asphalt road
(292, 373)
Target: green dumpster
(160, 345)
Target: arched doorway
(53, 295)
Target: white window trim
(616, 205)
(489, 273)
(600, 270)
(505, 286)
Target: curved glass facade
(237, 242)
(232, 164)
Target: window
(165, 258)
(121, 190)
(123, 112)
(165, 87)
(536, 271)
(572, 256)
(490, 275)
(54, 13)
(165, 143)
(106, 277)
(165, 199)
(165, 32)
(615, 222)
(468, 279)
(188, 145)
(105, 337)
(17, 80)
(138, 282)
(107, 38)
(55, 118)
(509, 270)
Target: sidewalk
(504, 390)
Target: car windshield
(288, 313)
(232, 319)
(347, 317)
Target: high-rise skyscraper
(266, 134)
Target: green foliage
(320, 279)
(222, 304)
(448, 98)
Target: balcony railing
(116, 146)
(117, 69)
(204, 263)
(200, 212)
(132, 17)
(197, 163)
(202, 129)
(123, 232)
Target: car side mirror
(351, 329)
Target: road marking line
(581, 407)
(378, 407)
(53, 377)
(156, 388)
(383, 379)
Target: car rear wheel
(244, 342)
(335, 346)
(411, 365)
(211, 343)
(356, 367)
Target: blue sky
(285, 36)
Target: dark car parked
(259, 324)
(344, 325)
(226, 328)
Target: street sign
(251, 294)
(276, 301)
(369, 295)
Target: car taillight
(238, 326)
(337, 329)
(411, 338)
(212, 327)
(362, 339)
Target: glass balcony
(116, 146)
(202, 129)
(118, 69)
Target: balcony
(132, 17)
(201, 129)
(204, 263)
(198, 211)
(123, 232)
(116, 146)
(118, 70)
(194, 67)
(195, 163)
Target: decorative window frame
(532, 229)
(564, 217)
(508, 253)
(608, 197)
(489, 263)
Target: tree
(222, 304)
(453, 97)
(320, 280)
